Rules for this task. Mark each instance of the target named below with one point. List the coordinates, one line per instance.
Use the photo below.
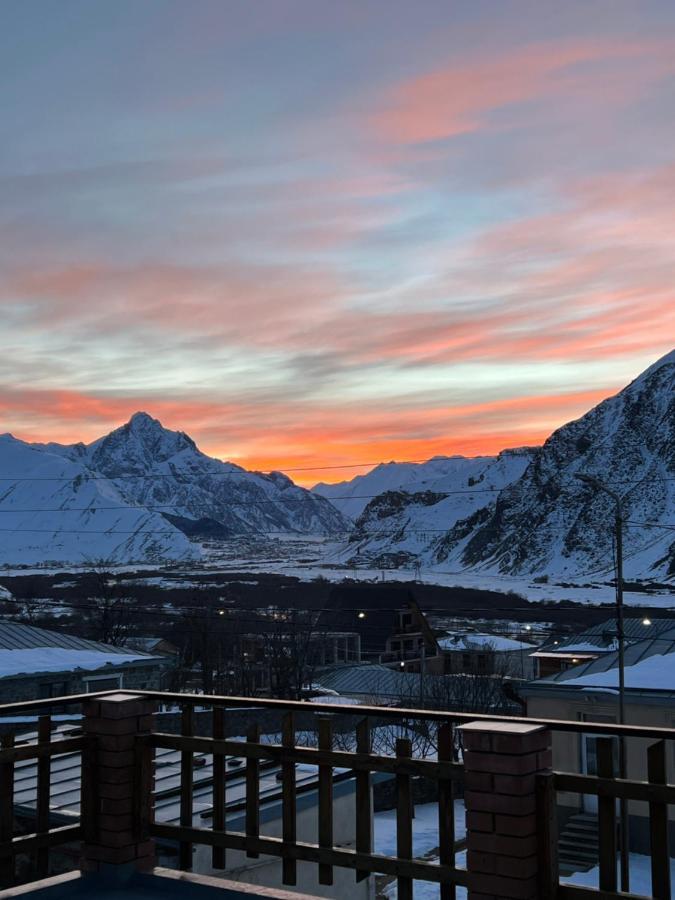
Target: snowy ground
(425, 843)
(309, 559)
(640, 876)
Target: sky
(316, 233)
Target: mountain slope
(50, 511)
(155, 467)
(399, 526)
(551, 522)
(441, 473)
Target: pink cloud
(459, 98)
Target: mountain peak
(143, 420)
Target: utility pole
(423, 671)
(620, 637)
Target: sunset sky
(308, 231)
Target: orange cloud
(302, 434)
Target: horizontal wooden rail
(337, 758)
(38, 751)
(399, 713)
(349, 859)
(621, 789)
(55, 837)
(573, 892)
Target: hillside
(441, 473)
(398, 526)
(165, 470)
(549, 521)
(54, 510)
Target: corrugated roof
(375, 682)
(18, 636)
(603, 634)
(65, 782)
(634, 653)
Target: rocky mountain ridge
(142, 493)
(545, 520)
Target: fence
(509, 786)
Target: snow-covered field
(315, 558)
(309, 560)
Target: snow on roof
(59, 659)
(20, 636)
(335, 699)
(482, 642)
(656, 673)
(580, 647)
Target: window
(466, 662)
(102, 683)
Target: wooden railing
(609, 789)
(361, 761)
(358, 759)
(37, 844)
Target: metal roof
(381, 682)
(18, 636)
(603, 634)
(633, 654)
(65, 782)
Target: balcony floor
(165, 883)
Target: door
(589, 758)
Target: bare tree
(108, 610)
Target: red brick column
(501, 761)
(116, 789)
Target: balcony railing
(505, 774)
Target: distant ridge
(139, 494)
(543, 520)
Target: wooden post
(658, 824)
(218, 853)
(288, 788)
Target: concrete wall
(29, 687)
(567, 752)
(266, 871)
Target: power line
(187, 477)
(314, 498)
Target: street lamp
(620, 637)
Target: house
(486, 654)
(37, 663)
(598, 640)
(588, 692)
(366, 609)
(413, 641)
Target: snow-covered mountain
(55, 510)
(164, 470)
(400, 525)
(549, 521)
(441, 473)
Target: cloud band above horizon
(314, 236)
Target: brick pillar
(116, 788)
(501, 761)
